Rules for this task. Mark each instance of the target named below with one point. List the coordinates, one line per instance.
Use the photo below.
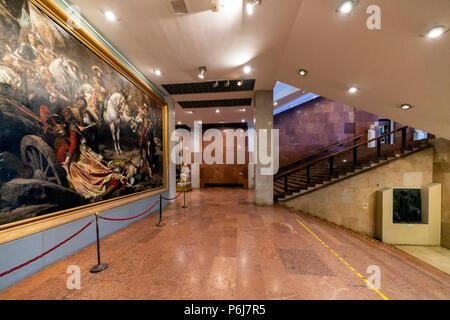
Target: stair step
(319, 172)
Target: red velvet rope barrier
(46, 252)
(112, 219)
(173, 197)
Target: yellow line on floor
(369, 285)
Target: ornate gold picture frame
(140, 179)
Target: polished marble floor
(224, 247)
(438, 257)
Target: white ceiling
(391, 66)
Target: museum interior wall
(216, 174)
(226, 175)
(76, 132)
(316, 124)
(441, 174)
(351, 202)
(16, 252)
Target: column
(197, 151)
(251, 165)
(263, 120)
(171, 128)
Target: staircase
(341, 161)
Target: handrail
(281, 175)
(331, 146)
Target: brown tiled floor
(224, 247)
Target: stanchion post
(184, 198)
(160, 223)
(99, 266)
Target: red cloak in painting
(85, 171)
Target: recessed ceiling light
(247, 69)
(201, 72)
(243, 109)
(200, 121)
(111, 16)
(436, 32)
(346, 7)
(157, 72)
(243, 120)
(353, 90)
(217, 110)
(179, 122)
(303, 72)
(406, 106)
(239, 83)
(275, 103)
(303, 91)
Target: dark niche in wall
(407, 206)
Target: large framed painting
(79, 132)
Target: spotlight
(250, 6)
(157, 72)
(217, 111)
(406, 106)
(179, 122)
(247, 69)
(275, 104)
(215, 84)
(226, 84)
(346, 7)
(201, 72)
(436, 32)
(111, 16)
(243, 120)
(353, 90)
(239, 83)
(303, 72)
(243, 110)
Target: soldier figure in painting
(146, 144)
(99, 91)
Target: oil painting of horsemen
(73, 130)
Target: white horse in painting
(112, 117)
(115, 111)
(64, 76)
